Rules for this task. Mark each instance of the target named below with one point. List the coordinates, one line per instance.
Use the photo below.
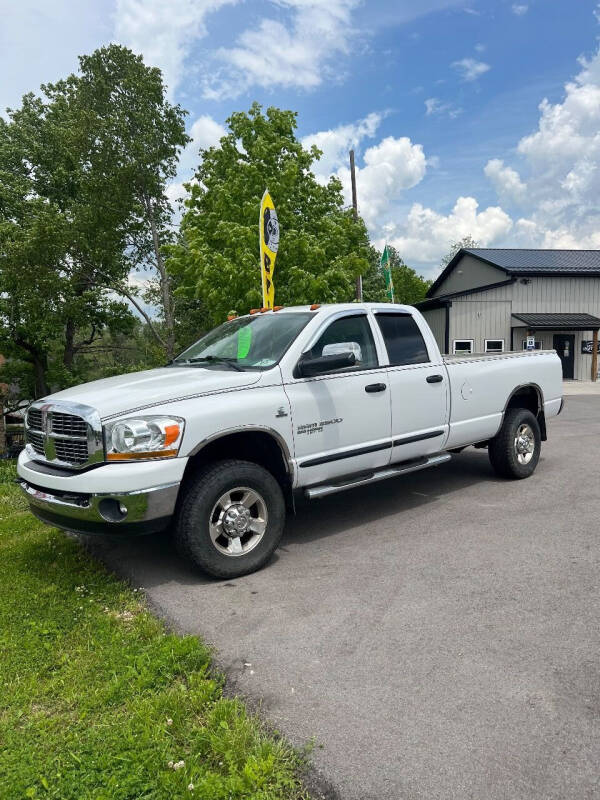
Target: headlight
(143, 437)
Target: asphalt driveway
(438, 635)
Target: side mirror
(308, 367)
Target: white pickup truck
(310, 400)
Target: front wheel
(515, 450)
(231, 518)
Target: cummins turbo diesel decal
(317, 427)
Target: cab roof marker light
(277, 308)
(315, 306)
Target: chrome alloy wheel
(524, 444)
(238, 521)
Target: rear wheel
(515, 450)
(231, 518)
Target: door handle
(375, 387)
(434, 378)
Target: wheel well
(259, 447)
(530, 397)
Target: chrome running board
(315, 492)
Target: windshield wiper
(230, 362)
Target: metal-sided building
(495, 300)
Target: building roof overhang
(528, 263)
(446, 299)
(556, 322)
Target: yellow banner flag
(268, 226)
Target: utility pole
(359, 293)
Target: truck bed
(481, 384)
(455, 359)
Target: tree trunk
(69, 351)
(165, 284)
(40, 367)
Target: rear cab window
(403, 339)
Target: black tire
(192, 531)
(503, 448)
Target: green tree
(467, 242)
(46, 293)
(321, 250)
(374, 290)
(83, 170)
(140, 136)
(409, 286)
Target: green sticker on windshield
(244, 342)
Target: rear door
(342, 419)
(418, 383)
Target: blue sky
(476, 117)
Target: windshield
(256, 342)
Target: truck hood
(123, 393)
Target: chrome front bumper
(142, 511)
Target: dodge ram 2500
(315, 400)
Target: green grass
(99, 700)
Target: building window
(539, 345)
(494, 345)
(462, 346)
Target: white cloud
(506, 181)
(426, 235)
(519, 9)
(301, 52)
(205, 132)
(40, 42)
(336, 142)
(561, 159)
(164, 32)
(388, 168)
(470, 69)
(435, 106)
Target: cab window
(403, 339)
(348, 334)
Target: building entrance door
(564, 344)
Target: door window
(403, 339)
(348, 335)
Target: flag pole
(359, 292)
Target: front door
(342, 419)
(564, 344)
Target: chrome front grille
(71, 452)
(67, 434)
(68, 425)
(34, 418)
(36, 440)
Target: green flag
(387, 273)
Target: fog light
(112, 510)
